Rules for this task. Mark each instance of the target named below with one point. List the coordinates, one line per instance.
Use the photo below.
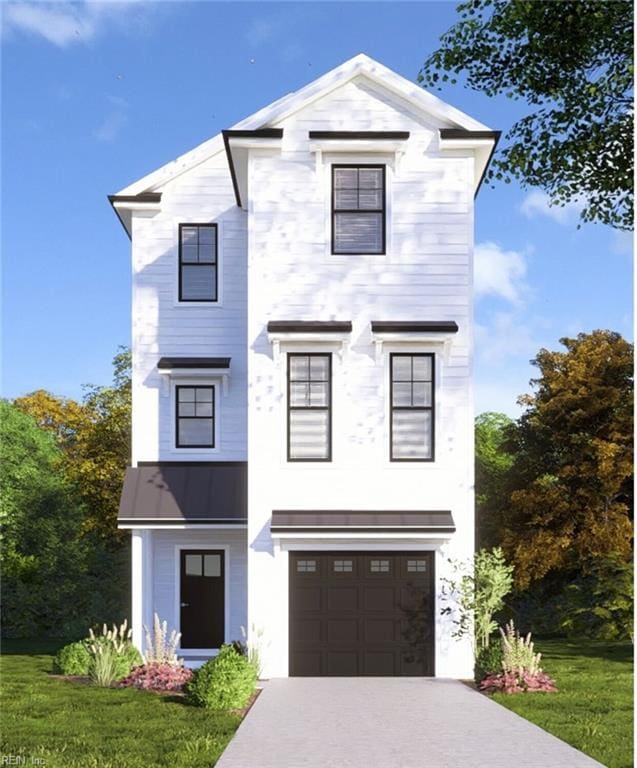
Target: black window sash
(179, 417)
(213, 265)
(327, 408)
(361, 211)
(431, 408)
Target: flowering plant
(157, 676)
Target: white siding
(425, 275)
(162, 327)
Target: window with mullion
(198, 279)
(412, 407)
(309, 407)
(195, 416)
(358, 209)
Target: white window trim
(201, 304)
(203, 381)
(226, 594)
(324, 163)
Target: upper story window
(198, 279)
(195, 416)
(412, 407)
(309, 407)
(358, 209)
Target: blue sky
(96, 95)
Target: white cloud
(505, 335)
(65, 23)
(538, 203)
(115, 119)
(499, 273)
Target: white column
(141, 584)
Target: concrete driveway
(363, 722)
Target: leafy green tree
(572, 63)
(573, 468)
(492, 475)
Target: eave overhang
(348, 523)
(125, 205)
(237, 144)
(482, 145)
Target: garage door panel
(306, 599)
(342, 598)
(362, 613)
(341, 631)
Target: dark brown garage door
(361, 613)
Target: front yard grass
(593, 709)
(60, 724)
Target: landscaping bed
(70, 725)
(593, 708)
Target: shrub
(488, 661)
(521, 671)
(158, 677)
(112, 654)
(225, 682)
(161, 648)
(73, 659)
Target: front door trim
(226, 588)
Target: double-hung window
(358, 209)
(412, 407)
(198, 263)
(195, 416)
(309, 407)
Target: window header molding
(402, 335)
(321, 335)
(195, 368)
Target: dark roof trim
(353, 135)
(193, 362)
(192, 463)
(181, 521)
(459, 134)
(399, 326)
(259, 133)
(310, 326)
(362, 521)
(143, 197)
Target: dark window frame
(214, 265)
(382, 210)
(431, 408)
(212, 418)
(291, 408)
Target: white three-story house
(302, 461)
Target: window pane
(198, 283)
(309, 434)
(319, 368)
(422, 394)
(345, 178)
(193, 565)
(189, 252)
(345, 198)
(299, 394)
(186, 409)
(422, 368)
(186, 395)
(204, 394)
(370, 178)
(342, 566)
(411, 435)
(212, 565)
(306, 566)
(299, 367)
(401, 395)
(318, 395)
(195, 432)
(207, 244)
(379, 566)
(202, 409)
(358, 232)
(401, 368)
(416, 566)
(370, 198)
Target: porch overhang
(169, 494)
(362, 523)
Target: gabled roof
(358, 66)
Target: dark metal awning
(166, 493)
(361, 521)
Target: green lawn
(593, 709)
(68, 725)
